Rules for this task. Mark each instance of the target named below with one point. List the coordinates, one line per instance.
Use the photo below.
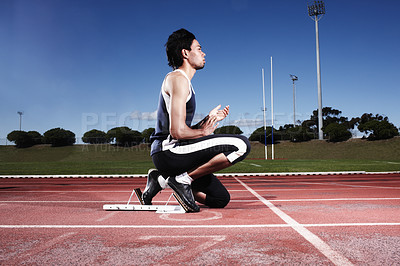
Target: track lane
(45, 218)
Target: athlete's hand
(209, 126)
(219, 114)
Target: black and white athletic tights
(186, 155)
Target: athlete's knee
(248, 145)
(243, 149)
(218, 202)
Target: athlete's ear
(185, 53)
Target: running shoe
(184, 195)
(152, 186)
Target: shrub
(95, 136)
(377, 127)
(21, 139)
(259, 135)
(36, 137)
(59, 137)
(124, 136)
(299, 134)
(147, 133)
(228, 130)
(337, 132)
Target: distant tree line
(336, 128)
(121, 136)
(56, 137)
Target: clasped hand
(219, 114)
(214, 117)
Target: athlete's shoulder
(176, 81)
(176, 76)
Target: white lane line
(351, 224)
(226, 226)
(164, 201)
(363, 186)
(335, 257)
(111, 214)
(338, 199)
(66, 201)
(214, 237)
(345, 185)
(65, 191)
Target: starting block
(142, 207)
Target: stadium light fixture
(294, 78)
(316, 9)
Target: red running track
(324, 220)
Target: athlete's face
(196, 57)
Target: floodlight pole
(265, 121)
(294, 78)
(20, 119)
(272, 115)
(315, 9)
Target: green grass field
(312, 156)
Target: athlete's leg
(199, 157)
(218, 162)
(210, 191)
(202, 156)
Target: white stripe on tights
(209, 143)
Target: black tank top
(161, 138)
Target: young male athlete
(186, 156)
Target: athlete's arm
(200, 124)
(219, 114)
(177, 89)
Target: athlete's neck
(189, 70)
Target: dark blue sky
(98, 64)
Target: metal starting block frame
(142, 207)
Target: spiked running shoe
(152, 186)
(183, 193)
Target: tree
(13, 135)
(330, 116)
(294, 133)
(36, 137)
(311, 127)
(147, 133)
(337, 132)
(95, 136)
(124, 136)
(59, 137)
(21, 139)
(228, 130)
(24, 139)
(259, 135)
(377, 127)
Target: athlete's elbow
(174, 135)
(177, 133)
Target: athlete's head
(179, 46)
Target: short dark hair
(178, 40)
